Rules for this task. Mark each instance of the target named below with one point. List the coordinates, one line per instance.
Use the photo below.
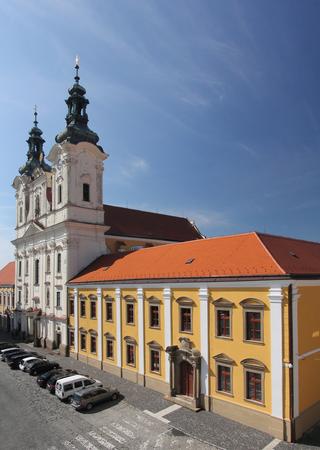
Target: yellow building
(7, 301)
(227, 324)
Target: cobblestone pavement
(118, 425)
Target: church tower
(62, 220)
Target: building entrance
(186, 371)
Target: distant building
(63, 224)
(7, 300)
(229, 324)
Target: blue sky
(208, 109)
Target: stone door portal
(186, 373)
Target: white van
(65, 387)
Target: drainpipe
(290, 365)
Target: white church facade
(63, 224)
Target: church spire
(35, 153)
(77, 129)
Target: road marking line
(68, 444)
(156, 417)
(113, 435)
(124, 430)
(102, 441)
(168, 410)
(87, 444)
(272, 444)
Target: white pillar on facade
(295, 350)
(118, 319)
(167, 328)
(100, 331)
(204, 339)
(141, 330)
(276, 334)
(76, 320)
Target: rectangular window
(20, 268)
(20, 214)
(58, 299)
(155, 361)
(71, 307)
(130, 313)
(130, 354)
(19, 296)
(93, 310)
(253, 326)
(59, 263)
(83, 342)
(109, 312)
(185, 319)
(86, 192)
(36, 271)
(93, 344)
(59, 193)
(223, 323)
(154, 316)
(27, 267)
(83, 308)
(254, 386)
(224, 378)
(71, 338)
(109, 348)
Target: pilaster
(295, 350)
(76, 321)
(204, 340)
(167, 328)
(118, 319)
(276, 334)
(99, 330)
(141, 330)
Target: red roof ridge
(257, 234)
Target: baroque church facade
(62, 223)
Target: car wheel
(114, 396)
(89, 406)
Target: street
(33, 419)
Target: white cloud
(134, 167)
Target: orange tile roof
(7, 274)
(243, 255)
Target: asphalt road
(31, 418)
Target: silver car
(85, 400)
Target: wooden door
(186, 374)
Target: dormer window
(86, 192)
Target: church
(227, 324)
(62, 223)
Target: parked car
(51, 383)
(4, 345)
(86, 399)
(43, 379)
(30, 364)
(15, 360)
(25, 362)
(9, 351)
(8, 357)
(66, 387)
(43, 366)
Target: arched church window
(48, 297)
(20, 214)
(60, 193)
(59, 263)
(36, 271)
(86, 192)
(48, 264)
(37, 206)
